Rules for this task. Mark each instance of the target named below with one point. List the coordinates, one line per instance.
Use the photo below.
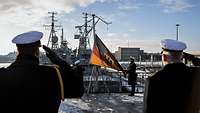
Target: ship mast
(53, 39)
(84, 49)
(83, 37)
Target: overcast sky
(135, 23)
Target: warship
(97, 79)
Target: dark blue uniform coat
(132, 75)
(168, 90)
(27, 87)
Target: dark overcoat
(132, 75)
(168, 90)
(27, 87)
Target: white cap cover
(173, 45)
(132, 58)
(28, 37)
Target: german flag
(101, 56)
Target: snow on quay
(104, 103)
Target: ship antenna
(90, 21)
(53, 39)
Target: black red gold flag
(101, 56)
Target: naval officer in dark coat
(132, 76)
(27, 87)
(167, 91)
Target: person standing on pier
(28, 87)
(168, 90)
(132, 76)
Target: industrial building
(124, 53)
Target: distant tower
(53, 39)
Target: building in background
(124, 53)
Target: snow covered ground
(104, 103)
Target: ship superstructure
(61, 49)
